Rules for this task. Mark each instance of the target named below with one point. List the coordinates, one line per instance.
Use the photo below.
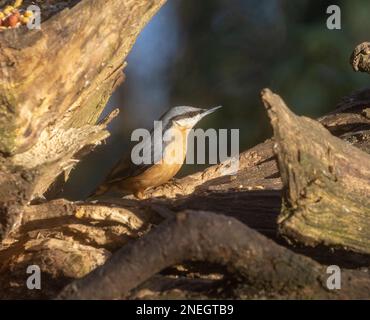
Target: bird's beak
(209, 111)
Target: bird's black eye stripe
(186, 115)
(179, 117)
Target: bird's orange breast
(159, 173)
(154, 176)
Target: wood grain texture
(87, 45)
(326, 182)
(55, 84)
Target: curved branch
(254, 259)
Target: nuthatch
(136, 178)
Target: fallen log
(327, 182)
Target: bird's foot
(174, 182)
(140, 195)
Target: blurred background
(223, 52)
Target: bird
(130, 178)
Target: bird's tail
(100, 190)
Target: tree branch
(253, 259)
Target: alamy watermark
(175, 146)
(334, 281)
(13, 16)
(34, 280)
(334, 21)
(35, 20)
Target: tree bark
(250, 257)
(327, 182)
(48, 110)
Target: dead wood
(169, 287)
(70, 87)
(46, 129)
(359, 59)
(253, 196)
(327, 182)
(261, 266)
(68, 240)
(44, 126)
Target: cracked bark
(327, 182)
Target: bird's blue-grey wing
(126, 167)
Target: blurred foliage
(224, 52)
(234, 48)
